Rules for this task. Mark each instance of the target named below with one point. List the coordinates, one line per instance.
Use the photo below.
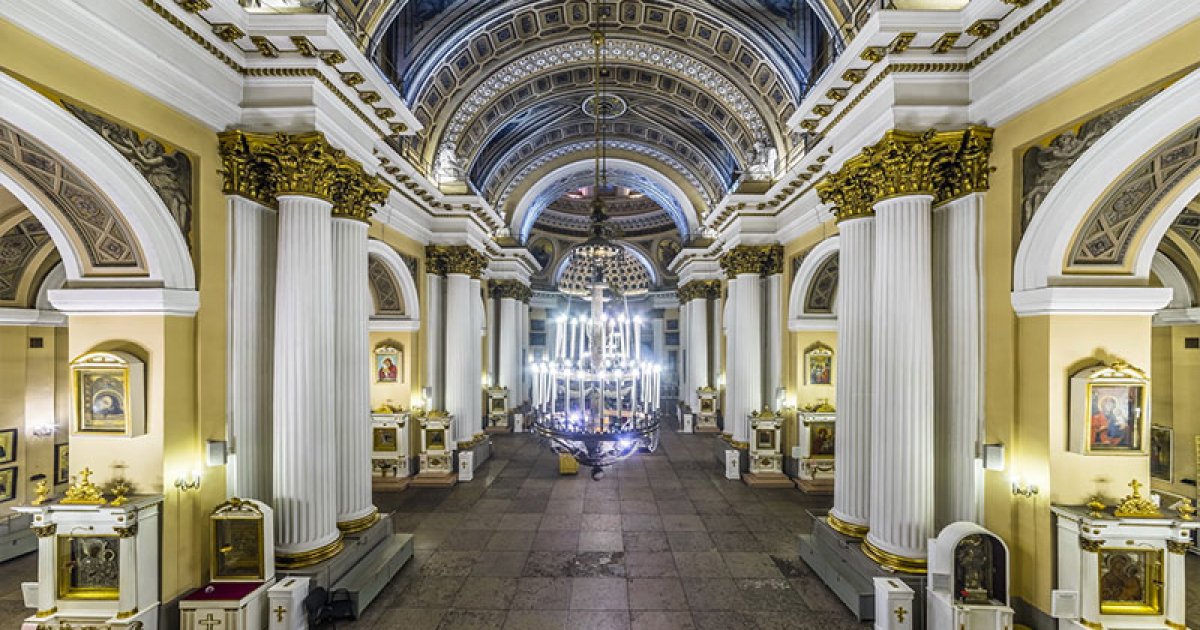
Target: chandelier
(594, 397)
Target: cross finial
(1136, 485)
(900, 612)
(86, 474)
(279, 611)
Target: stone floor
(663, 542)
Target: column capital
(945, 165)
(699, 290)
(447, 259)
(264, 166)
(510, 290)
(759, 259)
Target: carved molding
(264, 166)
(942, 164)
(759, 259)
(447, 259)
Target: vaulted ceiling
(704, 85)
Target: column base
(359, 524)
(308, 558)
(846, 529)
(894, 562)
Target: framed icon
(8, 446)
(1161, 443)
(108, 391)
(8, 484)
(1109, 415)
(818, 364)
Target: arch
(1133, 147)
(390, 258)
(817, 261)
(1171, 277)
(560, 181)
(642, 257)
(158, 255)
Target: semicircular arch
(815, 270)
(398, 273)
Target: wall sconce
(42, 430)
(1022, 488)
(191, 481)
(993, 456)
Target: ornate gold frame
(379, 446)
(65, 590)
(1152, 587)
(224, 512)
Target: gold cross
(209, 622)
(1136, 485)
(280, 611)
(900, 612)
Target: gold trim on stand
(846, 529)
(309, 558)
(46, 613)
(360, 524)
(894, 562)
(127, 614)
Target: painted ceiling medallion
(611, 106)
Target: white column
(494, 334)
(510, 348)
(746, 378)
(251, 295)
(127, 569)
(47, 560)
(697, 349)
(351, 378)
(477, 328)
(774, 347)
(658, 328)
(902, 406)
(303, 466)
(716, 335)
(852, 449)
(523, 355)
(686, 394)
(435, 335)
(462, 348)
(732, 405)
(958, 359)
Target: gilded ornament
(385, 112)
(84, 492)
(194, 6)
(369, 97)
(304, 45)
(901, 42)
(1178, 547)
(1097, 508)
(1186, 510)
(264, 46)
(510, 290)
(823, 109)
(332, 57)
(873, 54)
(352, 78)
(127, 532)
(447, 259)
(228, 32)
(756, 259)
(854, 75)
(42, 489)
(399, 127)
(699, 290)
(1088, 544)
(836, 94)
(945, 43)
(983, 28)
(45, 530)
(1137, 506)
(120, 489)
(1017, 3)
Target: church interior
(599, 314)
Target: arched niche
(812, 303)
(105, 219)
(395, 305)
(1104, 219)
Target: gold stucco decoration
(84, 492)
(699, 290)
(942, 164)
(1137, 506)
(759, 259)
(447, 259)
(510, 290)
(263, 166)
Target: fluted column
(305, 513)
(697, 363)
(251, 313)
(746, 378)
(478, 336)
(773, 378)
(685, 350)
(856, 271)
(958, 358)
(462, 346)
(435, 339)
(127, 571)
(715, 359)
(509, 347)
(351, 391)
(902, 407)
(731, 352)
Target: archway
(812, 304)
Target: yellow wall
(415, 344)
(400, 392)
(1026, 360)
(33, 392)
(795, 342)
(1176, 402)
(187, 363)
